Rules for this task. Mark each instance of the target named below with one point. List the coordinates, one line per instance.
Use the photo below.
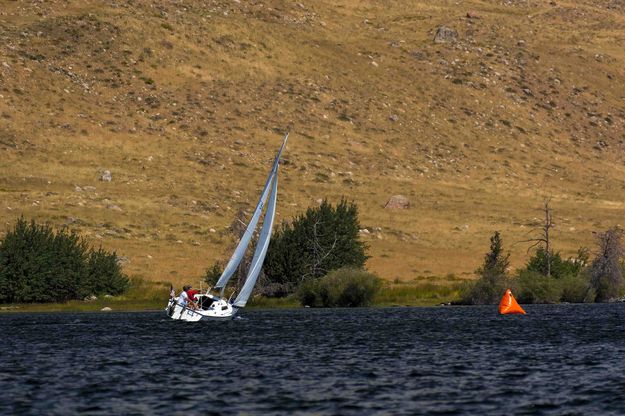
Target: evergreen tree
(325, 238)
(496, 262)
(543, 264)
(493, 274)
(213, 273)
(39, 265)
(104, 274)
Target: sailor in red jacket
(191, 293)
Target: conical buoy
(509, 304)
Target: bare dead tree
(543, 237)
(606, 271)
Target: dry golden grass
(185, 104)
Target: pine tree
(40, 265)
(325, 238)
(495, 261)
(493, 274)
(104, 274)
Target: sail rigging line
(261, 248)
(239, 252)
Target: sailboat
(211, 306)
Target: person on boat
(184, 300)
(191, 293)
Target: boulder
(106, 176)
(445, 35)
(397, 202)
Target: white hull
(218, 310)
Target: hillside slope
(185, 104)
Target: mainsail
(239, 252)
(261, 248)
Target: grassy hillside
(185, 103)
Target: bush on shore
(568, 280)
(575, 288)
(533, 287)
(345, 287)
(40, 265)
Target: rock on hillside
(397, 202)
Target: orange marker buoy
(509, 304)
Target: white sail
(261, 248)
(239, 252)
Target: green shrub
(533, 287)
(308, 293)
(569, 281)
(487, 290)
(419, 293)
(39, 265)
(576, 288)
(345, 287)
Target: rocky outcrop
(445, 35)
(106, 176)
(397, 202)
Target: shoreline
(65, 308)
(144, 296)
(85, 307)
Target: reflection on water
(563, 359)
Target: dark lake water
(564, 359)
